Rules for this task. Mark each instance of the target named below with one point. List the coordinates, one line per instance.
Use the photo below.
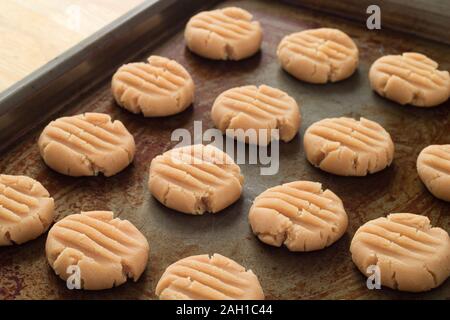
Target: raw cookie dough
(254, 108)
(195, 179)
(223, 34)
(205, 277)
(86, 144)
(348, 147)
(300, 215)
(161, 87)
(318, 55)
(433, 166)
(411, 254)
(411, 78)
(107, 251)
(26, 209)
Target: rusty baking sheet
(325, 274)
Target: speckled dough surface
(195, 179)
(160, 87)
(86, 144)
(318, 55)
(433, 166)
(26, 209)
(206, 277)
(107, 251)
(348, 147)
(300, 215)
(223, 34)
(410, 253)
(251, 107)
(411, 78)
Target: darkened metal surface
(325, 274)
(424, 18)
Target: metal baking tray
(79, 81)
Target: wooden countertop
(34, 32)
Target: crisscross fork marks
(299, 214)
(226, 26)
(203, 277)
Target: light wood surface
(34, 32)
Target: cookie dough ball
(257, 111)
(107, 251)
(223, 34)
(433, 166)
(205, 277)
(318, 55)
(300, 215)
(348, 147)
(195, 179)
(411, 78)
(26, 209)
(410, 253)
(160, 87)
(86, 144)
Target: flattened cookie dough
(195, 179)
(205, 277)
(223, 34)
(411, 254)
(318, 55)
(107, 251)
(256, 110)
(26, 209)
(348, 147)
(300, 215)
(411, 78)
(160, 87)
(433, 166)
(86, 144)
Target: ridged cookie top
(161, 87)
(86, 144)
(208, 278)
(195, 179)
(318, 55)
(251, 107)
(106, 250)
(300, 215)
(26, 209)
(411, 254)
(222, 34)
(348, 147)
(433, 166)
(410, 78)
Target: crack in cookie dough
(348, 147)
(254, 109)
(411, 254)
(318, 55)
(107, 251)
(411, 78)
(433, 167)
(300, 215)
(223, 34)
(160, 87)
(86, 144)
(205, 277)
(26, 209)
(195, 179)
